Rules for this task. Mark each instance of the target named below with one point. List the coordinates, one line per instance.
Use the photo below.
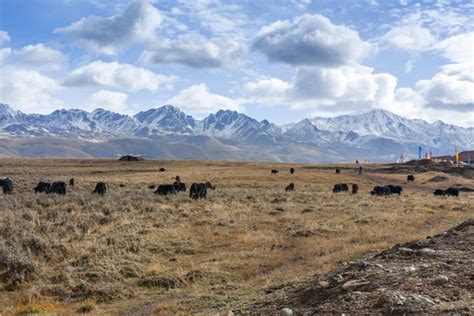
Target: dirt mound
(422, 162)
(435, 275)
(463, 171)
(438, 179)
(426, 165)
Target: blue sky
(279, 60)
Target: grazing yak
(338, 171)
(410, 178)
(179, 186)
(162, 169)
(451, 192)
(355, 188)
(379, 190)
(43, 187)
(58, 188)
(274, 171)
(395, 189)
(290, 187)
(292, 170)
(199, 190)
(7, 185)
(387, 190)
(165, 189)
(100, 188)
(71, 182)
(340, 187)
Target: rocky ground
(434, 275)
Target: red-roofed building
(462, 156)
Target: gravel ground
(434, 275)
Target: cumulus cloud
(451, 88)
(39, 56)
(4, 37)
(28, 90)
(225, 20)
(410, 38)
(407, 102)
(458, 48)
(4, 53)
(107, 35)
(198, 99)
(357, 85)
(267, 91)
(313, 87)
(310, 40)
(194, 50)
(357, 88)
(330, 91)
(109, 100)
(116, 75)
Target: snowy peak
(74, 118)
(304, 131)
(167, 119)
(223, 119)
(370, 123)
(111, 121)
(237, 126)
(6, 111)
(376, 123)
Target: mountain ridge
(376, 135)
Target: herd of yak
(199, 190)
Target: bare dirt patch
(434, 275)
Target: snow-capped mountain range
(167, 132)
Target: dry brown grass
(133, 250)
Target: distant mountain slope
(167, 132)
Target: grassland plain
(132, 252)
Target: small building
(462, 157)
(131, 158)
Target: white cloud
(198, 99)
(301, 4)
(310, 40)
(4, 53)
(38, 56)
(350, 85)
(458, 48)
(116, 75)
(28, 90)
(219, 18)
(109, 100)
(267, 91)
(410, 38)
(4, 37)
(135, 24)
(194, 50)
(452, 87)
(313, 87)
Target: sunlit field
(134, 251)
